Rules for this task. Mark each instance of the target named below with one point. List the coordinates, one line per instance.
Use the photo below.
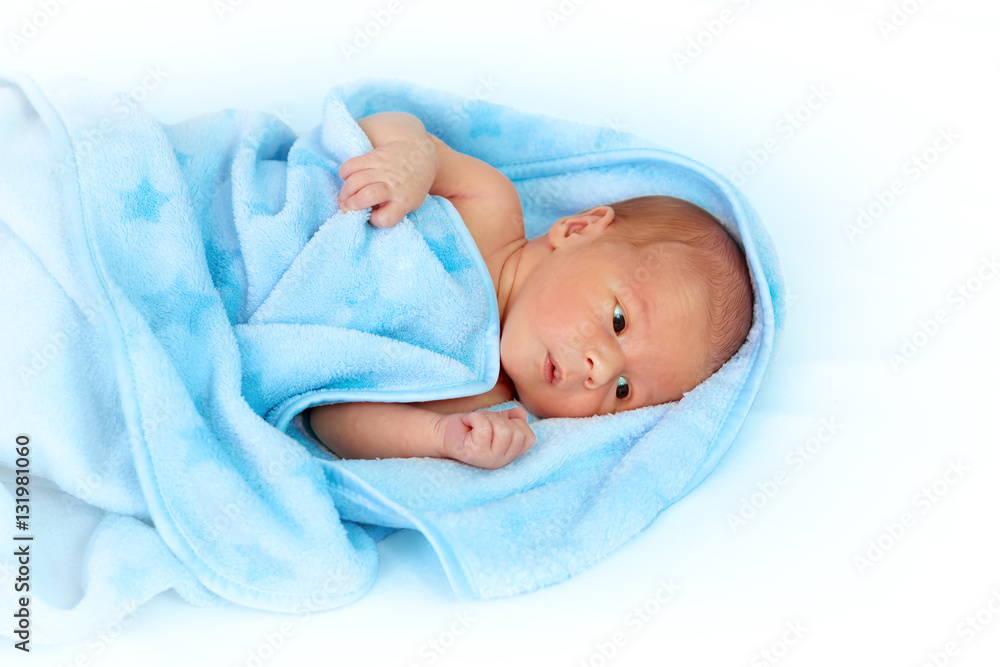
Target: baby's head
(623, 306)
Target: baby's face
(623, 327)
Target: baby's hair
(711, 256)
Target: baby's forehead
(658, 266)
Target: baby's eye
(618, 321)
(622, 391)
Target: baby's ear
(588, 223)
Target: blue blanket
(181, 293)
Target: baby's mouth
(549, 369)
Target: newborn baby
(618, 307)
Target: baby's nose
(603, 365)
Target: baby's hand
(394, 178)
(486, 439)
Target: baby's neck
(516, 269)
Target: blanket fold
(183, 292)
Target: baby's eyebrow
(640, 313)
(643, 307)
(628, 291)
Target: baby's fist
(486, 439)
(393, 179)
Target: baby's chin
(539, 409)
(529, 404)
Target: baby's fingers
(356, 164)
(516, 413)
(501, 443)
(511, 436)
(368, 196)
(481, 430)
(387, 215)
(355, 182)
(527, 438)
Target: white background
(795, 562)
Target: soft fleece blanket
(174, 297)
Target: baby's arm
(397, 430)
(408, 163)
(395, 177)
